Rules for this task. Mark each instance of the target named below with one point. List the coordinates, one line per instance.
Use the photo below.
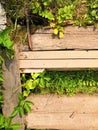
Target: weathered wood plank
(79, 112)
(27, 70)
(58, 64)
(39, 55)
(74, 38)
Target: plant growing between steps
(60, 82)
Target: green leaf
(26, 93)
(15, 126)
(35, 83)
(47, 78)
(29, 84)
(23, 77)
(61, 35)
(21, 111)
(42, 83)
(20, 96)
(5, 39)
(29, 102)
(56, 31)
(2, 119)
(27, 107)
(35, 75)
(1, 79)
(94, 13)
(15, 112)
(8, 121)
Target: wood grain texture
(41, 55)
(59, 64)
(33, 60)
(74, 38)
(79, 112)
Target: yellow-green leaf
(61, 35)
(55, 31)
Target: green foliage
(89, 14)
(57, 13)
(6, 124)
(69, 82)
(37, 80)
(5, 43)
(60, 13)
(1, 99)
(22, 107)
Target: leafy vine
(6, 47)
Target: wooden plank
(31, 70)
(74, 38)
(79, 112)
(58, 64)
(57, 54)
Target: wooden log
(11, 84)
(79, 112)
(74, 38)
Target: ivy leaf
(56, 31)
(35, 83)
(29, 84)
(26, 93)
(61, 35)
(35, 75)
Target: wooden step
(74, 38)
(79, 112)
(59, 60)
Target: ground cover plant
(53, 13)
(60, 82)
